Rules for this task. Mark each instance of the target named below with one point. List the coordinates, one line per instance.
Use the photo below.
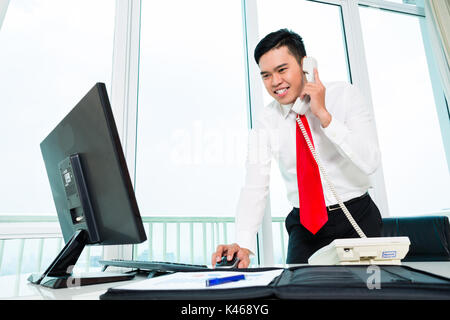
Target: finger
(232, 250)
(244, 258)
(311, 86)
(244, 262)
(312, 89)
(217, 256)
(220, 249)
(304, 92)
(214, 259)
(316, 76)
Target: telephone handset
(301, 106)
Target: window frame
(125, 92)
(3, 9)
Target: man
(342, 132)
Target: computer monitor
(91, 187)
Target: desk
(12, 287)
(18, 288)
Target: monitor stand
(59, 273)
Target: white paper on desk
(197, 280)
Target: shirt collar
(285, 108)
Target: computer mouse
(225, 264)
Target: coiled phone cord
(330, 185)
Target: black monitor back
(90, 132)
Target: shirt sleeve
(253, 196)
(354, 134)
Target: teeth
(281, 91)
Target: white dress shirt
(347, 149)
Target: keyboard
(158, 266)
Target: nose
(276, 80)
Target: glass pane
(411, 2)
(52, 53)
(192, 123)
(320, 26)
(415, 168)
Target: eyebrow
(277, 67)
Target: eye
(282, 70)
(265, 76)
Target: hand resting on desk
(230, 250)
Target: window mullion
(255, 104)
(124, 92)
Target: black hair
(277, 39)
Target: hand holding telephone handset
(300, 107)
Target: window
(192, 109)
(192, 115)
(52, 53)
(415, 168)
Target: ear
(301, 62)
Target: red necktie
(313, 213)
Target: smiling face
(281, 74)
